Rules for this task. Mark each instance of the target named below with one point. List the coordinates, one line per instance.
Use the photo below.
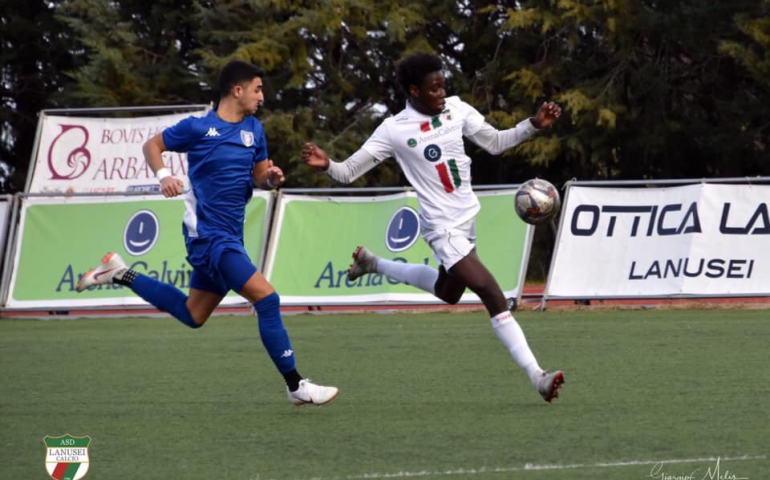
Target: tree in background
(647, 92)
(754, 56)
(650, 89)
(136, 52)
(35, 51)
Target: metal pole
(35, 149)
(10, 249)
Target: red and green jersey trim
(443, 174)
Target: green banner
(316, 236)
(60, 240)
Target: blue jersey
(220, 159)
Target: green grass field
(422, 396)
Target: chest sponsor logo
(432, 153)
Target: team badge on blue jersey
(247, 138)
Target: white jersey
(431, 153)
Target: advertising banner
(86, 154)
(696, 240)
(313, 239)
(60, 240)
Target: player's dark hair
(237, 73)
(413, 69)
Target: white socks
(510, 333)
(420, 276)
(507, 329)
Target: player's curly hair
(413, 69)
(237, 73)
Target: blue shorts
(219, 264)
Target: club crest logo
(432, 153)
(141, 232)
(403, 229)
(66, 457)
(247, 138)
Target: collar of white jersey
(413, 112)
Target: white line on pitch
(532, 466)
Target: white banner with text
(88, 154)
(695, 240)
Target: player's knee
(453, 298)
(488, 291)
(197, 321)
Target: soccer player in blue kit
(227, 157)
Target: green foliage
(649, 89)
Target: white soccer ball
(537, 201)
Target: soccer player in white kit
(426, 139)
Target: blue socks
(165, 297)
(273, 334)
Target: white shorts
(450, 245)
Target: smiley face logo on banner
(141, 232)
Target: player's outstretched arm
(153, 154)
(497, 141)
(344, 172)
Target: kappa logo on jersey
(432, 153)
(212, 132)
(403, 229)
(141, 232)
(247, 138)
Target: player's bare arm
(546, 115)
(153, 154)
(267, 176)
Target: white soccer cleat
(309, 393)
(364, 262)
(112, 266)
(549, 384)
